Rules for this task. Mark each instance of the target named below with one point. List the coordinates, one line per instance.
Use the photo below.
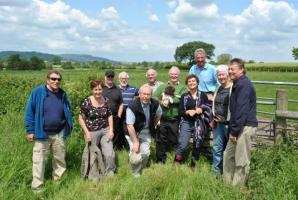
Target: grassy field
(273, 176)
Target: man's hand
(30, 137)
(233, 139)
(136, 147)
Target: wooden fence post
(281, 123)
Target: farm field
(274, 170)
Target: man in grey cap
(115, 102)
(142, 116)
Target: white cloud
(191, 16)
(172, 3)
(154, 18)
(265, 30)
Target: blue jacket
(34, 118)
(242, 106)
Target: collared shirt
(128, 93)
(207, 77)
(155, 85)
(130, 116)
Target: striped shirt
(128, 93)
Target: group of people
(221, 100)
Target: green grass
(273, 175)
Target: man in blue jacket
(48, 123)
(242, 126)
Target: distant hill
(48, 57)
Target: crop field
(273, 175)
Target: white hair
(151, 70)
(222, 68)
(174, 68)
(123, 74)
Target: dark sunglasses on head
(110, 76)
(55, 79)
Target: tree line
(184, 57)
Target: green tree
(295, 53)
(185, 53)
(1, 66)
(13, 62)
(37, 63)
(67, 65)
(224, 58)
(56, 60)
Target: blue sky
(138, 30)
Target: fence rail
(281, 113)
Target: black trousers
(166, 139)
(119, 139)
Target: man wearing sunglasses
(48, 123)
(115, 102)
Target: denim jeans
(220, 139)
(186, 130)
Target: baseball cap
(110, 73)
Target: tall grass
(273, 175)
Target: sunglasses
(110, 76)
(55, 79)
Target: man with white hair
(167, 134)
(142, 116)
(129, 92)
(151, 76)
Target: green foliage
(295, 53)
(185, 53)
(14, 62)
(1, 65)
(273, 67)
(36, 63)
(56, 60)
(67, 65)
(274, 173)
(273, 170)
(224, 58)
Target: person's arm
(130, 120)
(120, 110)
(157, 92)
(111, 130)
(82, 123)
(242, 105)
(182, 111)
(158, 116)
(30, 119)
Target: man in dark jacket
(142, 116)
(242, 126)
(48, 123)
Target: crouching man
(48, 123)
(142, 116)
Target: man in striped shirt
(128, 93)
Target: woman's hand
(199, 111)
(111, 135)
(191, 112)
(87, 137)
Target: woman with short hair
(96, 120)
(195, 115)
(221, 116)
